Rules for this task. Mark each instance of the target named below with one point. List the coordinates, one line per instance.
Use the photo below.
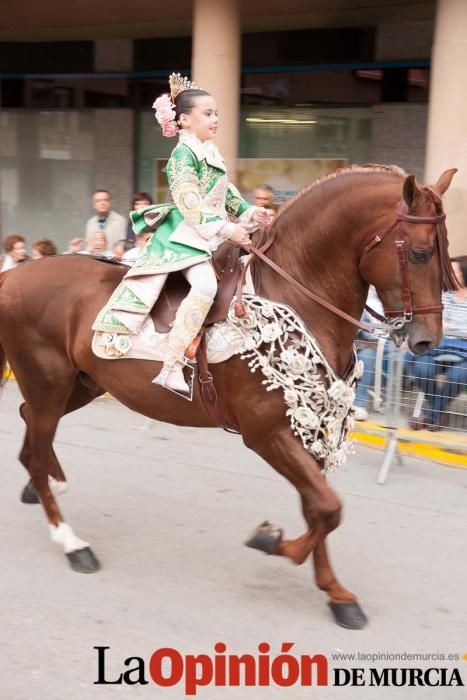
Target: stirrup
(164, 374)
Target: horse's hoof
(266, 538)
(29, 494)
(349, 615)
(83, 561)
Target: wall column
(447, 117)
(216, 67)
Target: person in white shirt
(368, 356)
(15, 249)
(111, 223)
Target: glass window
(47, 173)
(289, 148)
(305, 132)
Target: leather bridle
(408, 311)
(397, 319)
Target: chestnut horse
(325, 240)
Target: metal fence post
(394, 387)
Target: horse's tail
(3, 360)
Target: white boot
(189, 319)
(171, 377)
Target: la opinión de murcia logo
(168, 667)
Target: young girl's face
(203, 118)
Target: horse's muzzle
(424, 334)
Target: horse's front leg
(320, 504)
(321, 510)
(343, 604)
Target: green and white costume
(188, 230)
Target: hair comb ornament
(179, 84)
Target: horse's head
(409, 265)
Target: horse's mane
(448, 277)
(103, 258)
(366, 169)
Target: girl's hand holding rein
(240, 236)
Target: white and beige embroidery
(319, 404)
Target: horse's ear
(410, 191)
(444, 181)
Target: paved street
(166, 510)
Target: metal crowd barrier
(415, 392)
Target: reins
(397, 319)
(240, 311)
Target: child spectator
(43, 247)
(15, 249)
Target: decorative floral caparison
(319, 403)
(274, 339)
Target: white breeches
(202, 279)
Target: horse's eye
(420, 256)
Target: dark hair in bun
(185, 101)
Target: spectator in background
(15, 249)
(121, 247)
(140, 201)
(75, 245)
(263, 196)
(368, 356)
(113, 225)
(97, 245)
(43, 247)
(449, 359)
(131, 256)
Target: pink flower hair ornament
(165, 115)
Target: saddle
(225, 261)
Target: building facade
(302, 88)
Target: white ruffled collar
(203, 150)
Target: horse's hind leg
(42, 426)
(47, 398)
(321, 510)
(57, 479)
(83, 393)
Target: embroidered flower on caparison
(318, 403)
